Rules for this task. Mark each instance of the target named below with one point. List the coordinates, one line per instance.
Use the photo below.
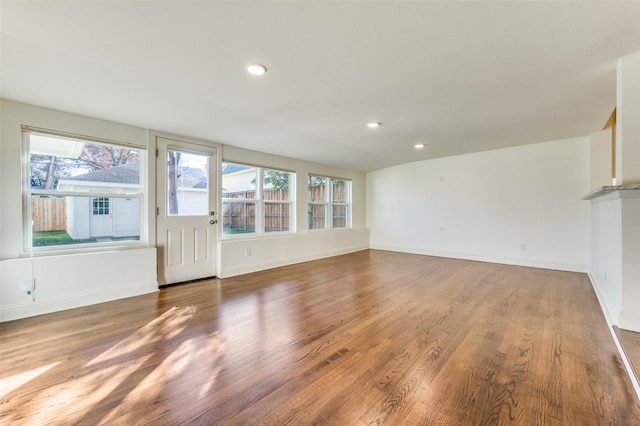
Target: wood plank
(371, 337)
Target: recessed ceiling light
(419, 146)
(257, 69)
(374, 124)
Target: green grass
(239, 231)
(52, 238)
(61, 238)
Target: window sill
(93, 248)
(254, 236)
(330, 230)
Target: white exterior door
(187, 219)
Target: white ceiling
(458, 76)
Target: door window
(187, 184)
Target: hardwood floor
(630, 342)
(371, 337)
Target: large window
(329, 202)
(256, 200)
(80, 191)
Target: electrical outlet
(523, 247)
(247, 252)
(26, 285)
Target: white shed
(100, 216)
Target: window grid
(101, 206)
(259, 202)
(328, 212)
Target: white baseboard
(276, 263)
(40, 307)
(492, 259)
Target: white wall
(126, 217)
(605, 268)
(271, 251)
(192, 200)
(488, 206)
(74, 279)
(615, 250)
(239, 181)
(630, 261)
(78, 215)
(628, 122)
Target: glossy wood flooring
(367, 338)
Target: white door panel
(201, 245)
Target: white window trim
(27, 192)
(328, 203)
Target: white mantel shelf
(604, 190)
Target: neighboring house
(237, 178)
(105, 217)
(191, 191)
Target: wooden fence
(240, 216)
(49, 214)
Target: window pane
(276, 217)
(187, 183)
(69, 164)
(239, 181)
(239, 217)
(77, 220)
(76, 165)
(317, 189)
(276, 185)
(339, 193)
(317, 216)
(339, 216)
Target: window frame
(329, 203)
(261, 203)
(28, 193)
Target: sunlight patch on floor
(165, 326)
(177, 377)
(88, 392)
(11, 383)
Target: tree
(44, 171)
(173, 161)
(47, 170)
(100, 157)
(279, 180)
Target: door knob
(213, 221)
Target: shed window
(100, 206)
